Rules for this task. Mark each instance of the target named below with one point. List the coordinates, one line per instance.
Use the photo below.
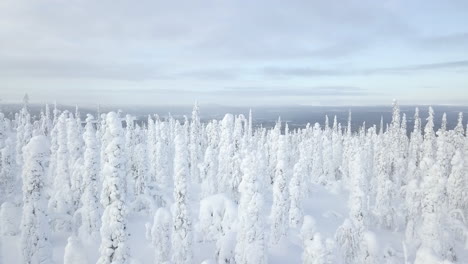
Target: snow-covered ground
(225, 192)
(327, 207)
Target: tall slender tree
(113, 248)
(90, 208)
(280, 208)
(195, 143)
(61, 202)
(36, 247)
(251, 240)
(182, 225)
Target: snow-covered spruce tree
(376, 139)
(75, 160)
(9, 216)
(161, 235)
(442, 170)
(148, 196)
(272, 149)
(41, 121)
(100, 135)
(170, 149)
(238, 133)
(164, 155)
(337, 148)
(367, 157)
(226, 154)
(46, 121)
(53, 135)
(7, 171)
(90, 210)
(465, 165)
(78, 118)
(296, 189)
(384, 187)
(130, 144)
(429, 143)
(356, 245)
(444, 149)
(152, 151)
(414, 150)
(456, 184)
(457, 198)
(401, 166)
(280, 208)
(413, 178)
(395, 153)
(237, 158)
(432, 194)
(357, 202)
(251, 241)
(195, 143)
(457, 201)
(35, 243)
(60, 203)
(208, 170)
(352, 237)
(216, 220)
(249, 132)
(327, 153)
(55, 114)
(347, 238)
(262, 163)
(317, 158)
(3, 129)
(182, 225)
(28, 130)
(345, 161)
(74, 252)
(23, 129)
(369, 253)
(314, 250)
(141, 165)
(36, 129)
(458, 136)
(113, 248)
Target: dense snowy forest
(107, 189)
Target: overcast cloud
(234, 52)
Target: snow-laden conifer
(75, 159)
(280, 208)
(315, 251)
(226, 154)
(432, 193)
(161, 235)
(35, 232)
(208, 172)
(297, 190)
(457, 190)
(90, 210)
(8, 178)
(61, 201)
(75, 252)
(113, 248)
(251, 244)
(195, 147)
(182, 224)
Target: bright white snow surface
(328, 208)
(113, 191)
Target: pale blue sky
(263, 52)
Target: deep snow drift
(108, 190)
